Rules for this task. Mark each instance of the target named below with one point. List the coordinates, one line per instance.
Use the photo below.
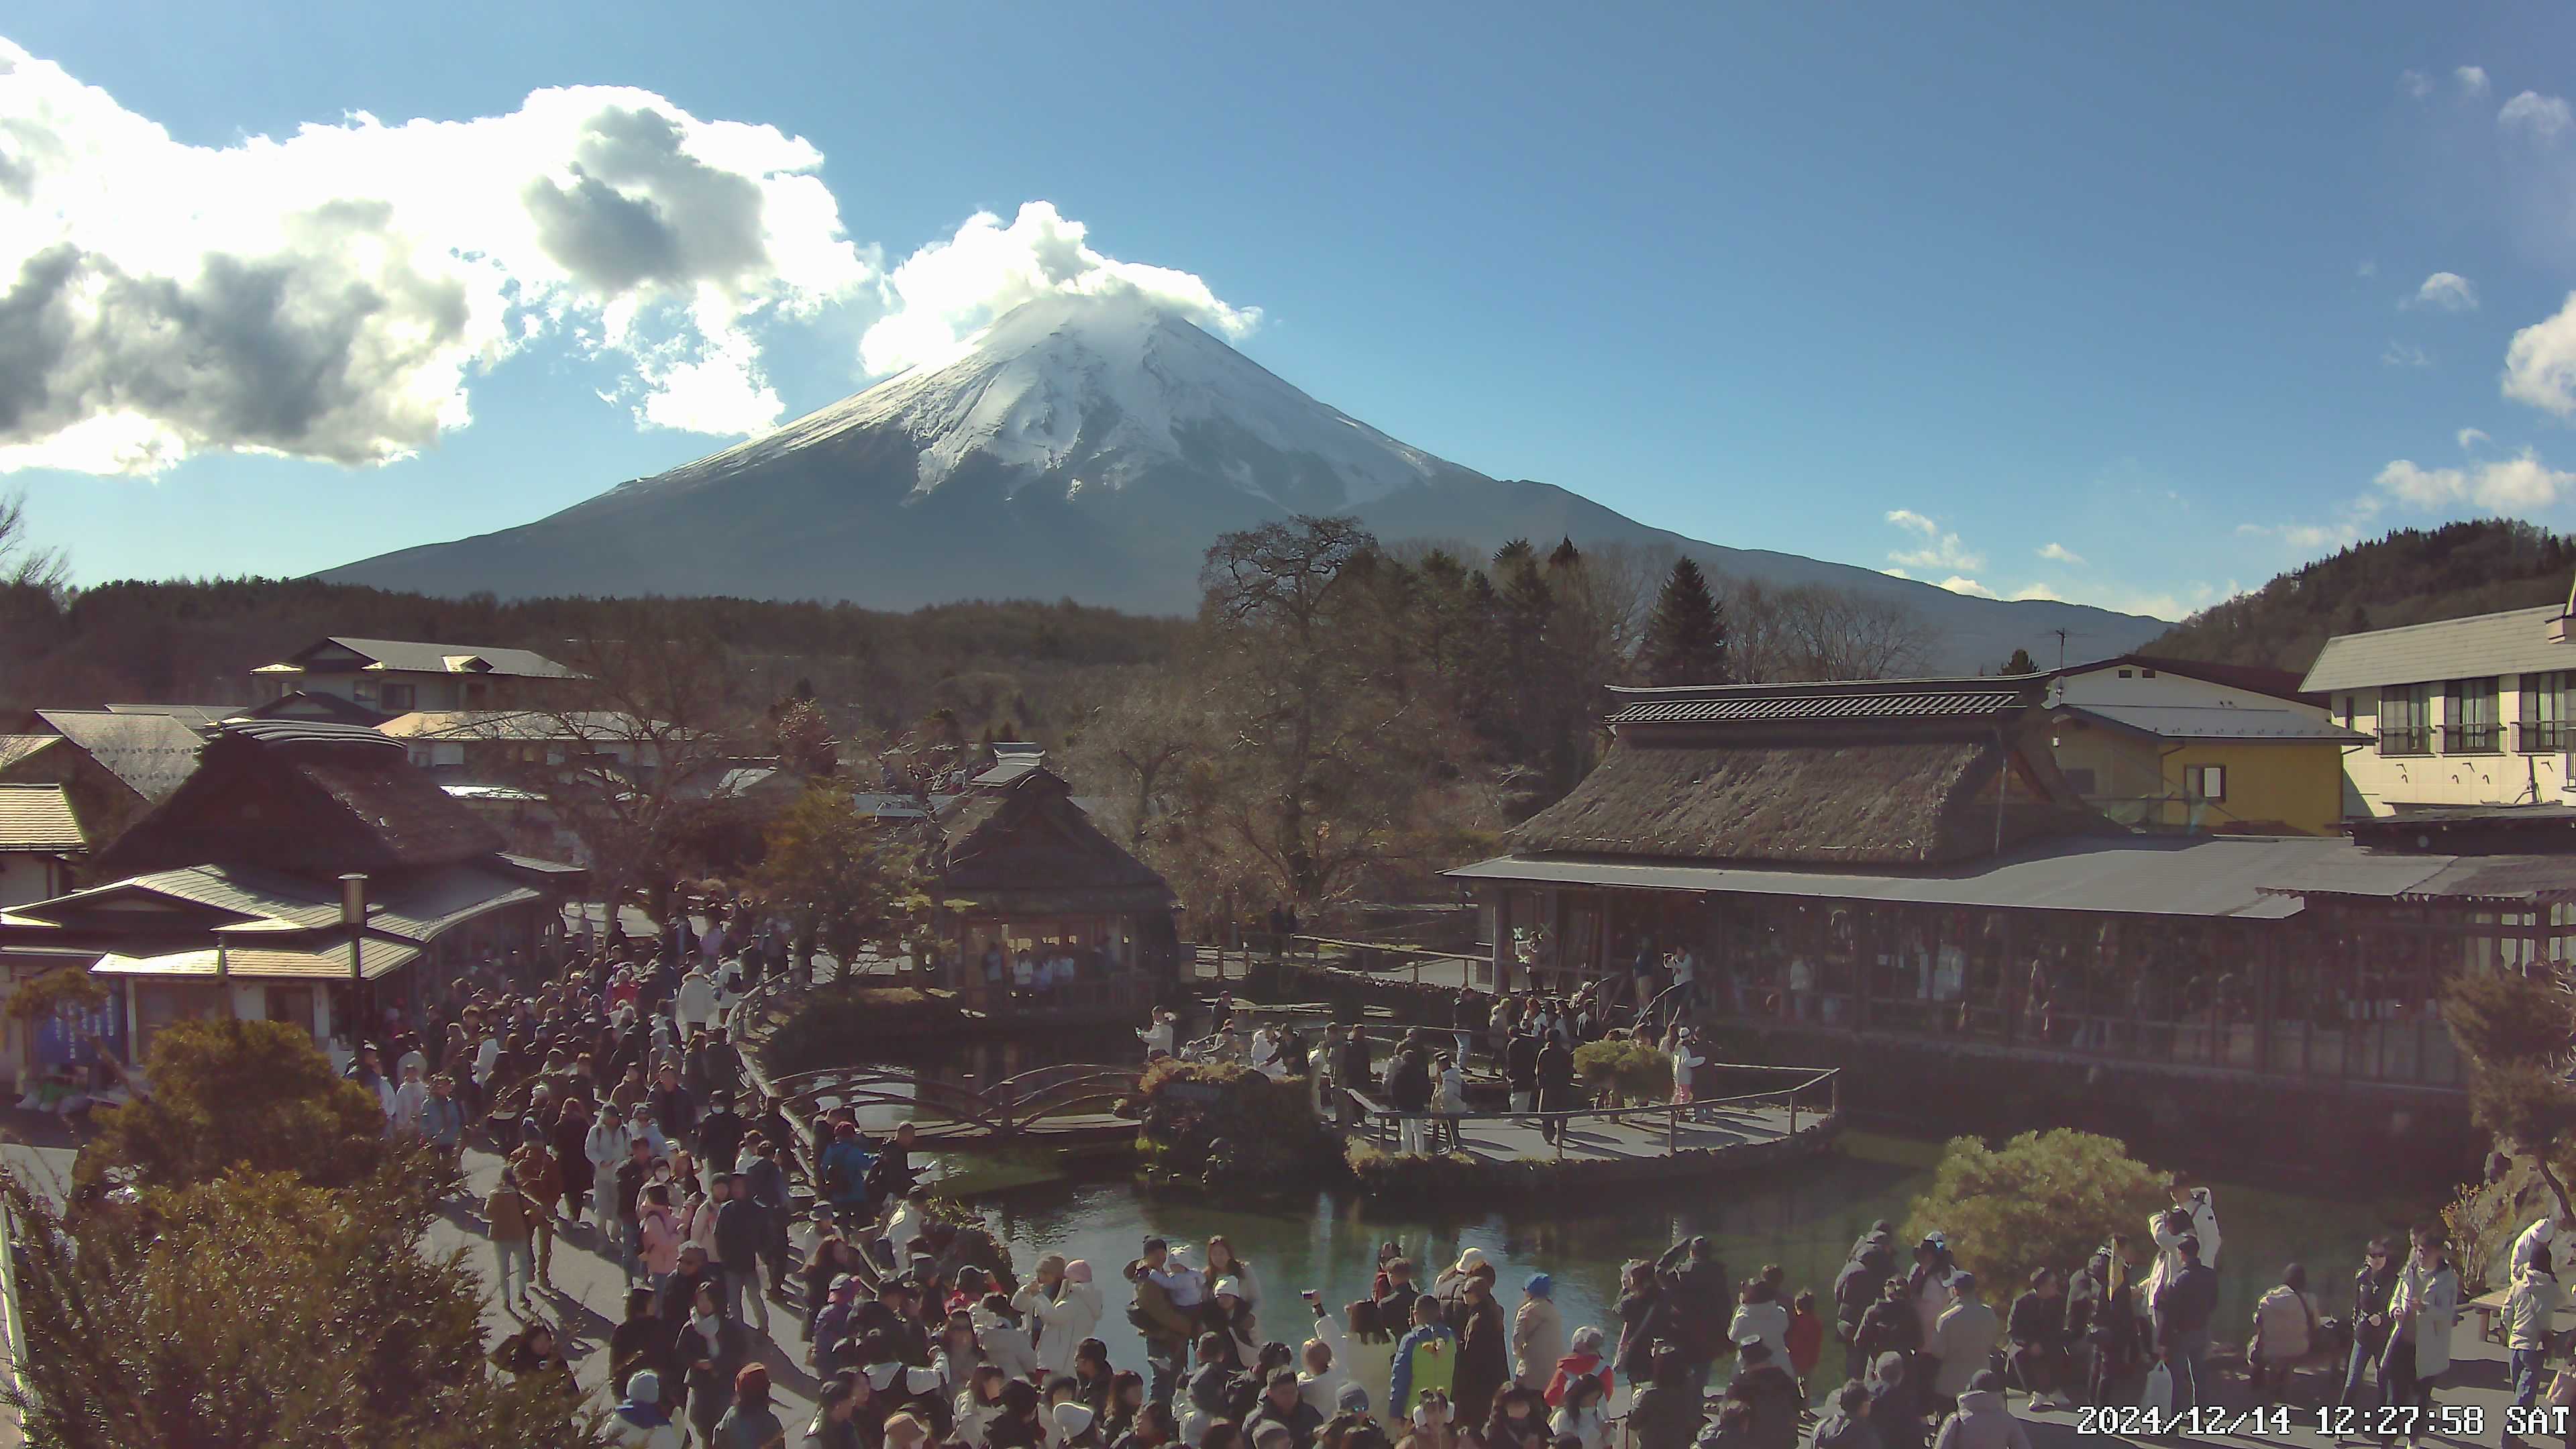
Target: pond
(1805, 1218)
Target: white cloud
(2448, 291)
(2365, 268)
(2414, 84)
(2039, 592)
(1958, 584)
(1896, 573)
(2540, 363)
(2060, 553)
(949, 291)
(2518, 484)
(2405, 354)
(2542, 118)
(1941, 548)
(2472, 80)
(2470, 437)
(333, 293)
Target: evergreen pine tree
(1686, 636)
(2021, 663)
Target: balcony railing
(2535, 737)
(2471, 739)
(2401, 741)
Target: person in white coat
(1686, 1060)
(1157, 1036)
(2192, 1215)
(1066, 1306)
(2543, 1233)
(696, 1002)
(1006, 1343)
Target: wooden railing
(1382, 1122)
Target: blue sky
(1925, 288)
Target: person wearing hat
(641, 1420)
(1983, 1421)
(1157, 1035)
(750, 1423)
(720, 1131)
(1538, 1333)
(1964, 1339)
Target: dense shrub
(2046, 1199)
(1637, 1072)
(839, 1025)
(1205, 1123)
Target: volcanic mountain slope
(1091, 448)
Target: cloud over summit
(334, 293)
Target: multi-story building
(395, 677)
(2468, 711)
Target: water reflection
(1804, 1216)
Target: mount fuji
(1091, 448)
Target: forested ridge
(2409, 576)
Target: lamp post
(353, 914)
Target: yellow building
(2176, 745)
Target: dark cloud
(639, 210)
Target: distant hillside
(1023, 663)
(2412, 576)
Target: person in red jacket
(1806, 1340)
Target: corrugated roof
(39, 818)
(152, 753)
(2513, 642)
(376, 959)
(2216, 722)
(1009, 769)
(2211, 876)
(414, 656)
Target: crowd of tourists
(613, 1089)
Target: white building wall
(2380, 783)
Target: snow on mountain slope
(1092, 393)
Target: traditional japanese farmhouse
(1019, 870)
(304, 873)
(1896, 877)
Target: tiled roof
(39, 818)
(2513, 642)
(152, 753)
(1840, 699)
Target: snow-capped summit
(1088, 393)
(1090, 448)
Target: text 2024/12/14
(2391, 1422)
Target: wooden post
(1673, 1129)
(1561, 1126)
(1793, 1114)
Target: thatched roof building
(1023, 847)
(1868, 772)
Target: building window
(2406, 719)
(2205, 782)
(2544, 726)
(2128, 674)
(2469, 717)
(395, 698)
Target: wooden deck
(1632, 1140)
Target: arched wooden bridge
(1072, 1102)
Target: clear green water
(1804, 1218)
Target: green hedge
(1210, 1123)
